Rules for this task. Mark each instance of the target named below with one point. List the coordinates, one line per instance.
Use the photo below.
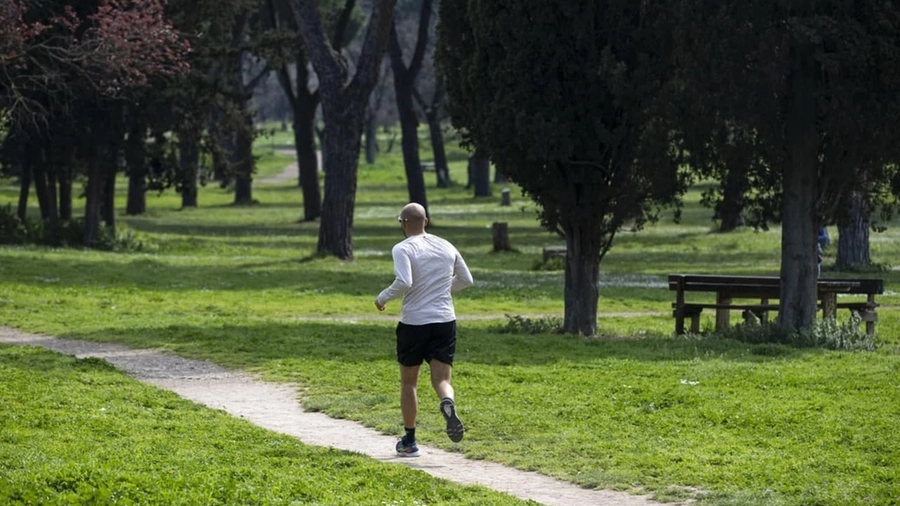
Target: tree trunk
(731, 209)
(320, 134)
(853, 236)
(371, 135)
(38, 174)
(225, 148)
(344, 101)
(307, 155)
(137, 195)
(188, 158)
(481, 173)
(342, 145)
(244, 163)
(404, 80)
(24, 189)
(51, 234)
(243, 191)
(582, 279)
(108, 205)
(93, 200)
(65, 191)
(441, 168)
(800, 226)
(135, 158)
(304, 105)
(415, 180)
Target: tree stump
(504, 197)
(501, 237)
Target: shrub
(15, 231)
(828, 334)
(516, 324)
(123, 240)
(69, 233)
(552, 264)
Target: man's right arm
(462, 278)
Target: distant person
(427, 270)
(824, 239)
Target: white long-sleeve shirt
(427, 271)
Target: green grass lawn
(79, 432)
(633, 409)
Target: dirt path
(276, 407)
(291, 172)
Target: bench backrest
(765, 286)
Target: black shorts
(416, 343)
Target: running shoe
(407, 450)
(455, 429)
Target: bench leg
(723, 316)
(681, 314)
(695, 322)
(870, 317)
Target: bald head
(413, 212)
(414, 218)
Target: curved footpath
(275, 406)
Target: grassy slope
(636, 409)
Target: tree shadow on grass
(148, 274)
(257, 346)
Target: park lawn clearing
(633, 408)
(76, 432)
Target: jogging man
(427, 269)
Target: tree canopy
(51, 50)
(569, 98)
(812, 90)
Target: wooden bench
(554, 252)
(761, 292)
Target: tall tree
(404, 88)
(344, 100)
(238, 91)
(373, 113)
(729, 158)
(304, 99)
(210, 106)
(566, 97)
(818, 82)
(433, 110)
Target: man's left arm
(402, 280)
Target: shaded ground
(276, 407)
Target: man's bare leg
(409, 400)
(440, 380)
